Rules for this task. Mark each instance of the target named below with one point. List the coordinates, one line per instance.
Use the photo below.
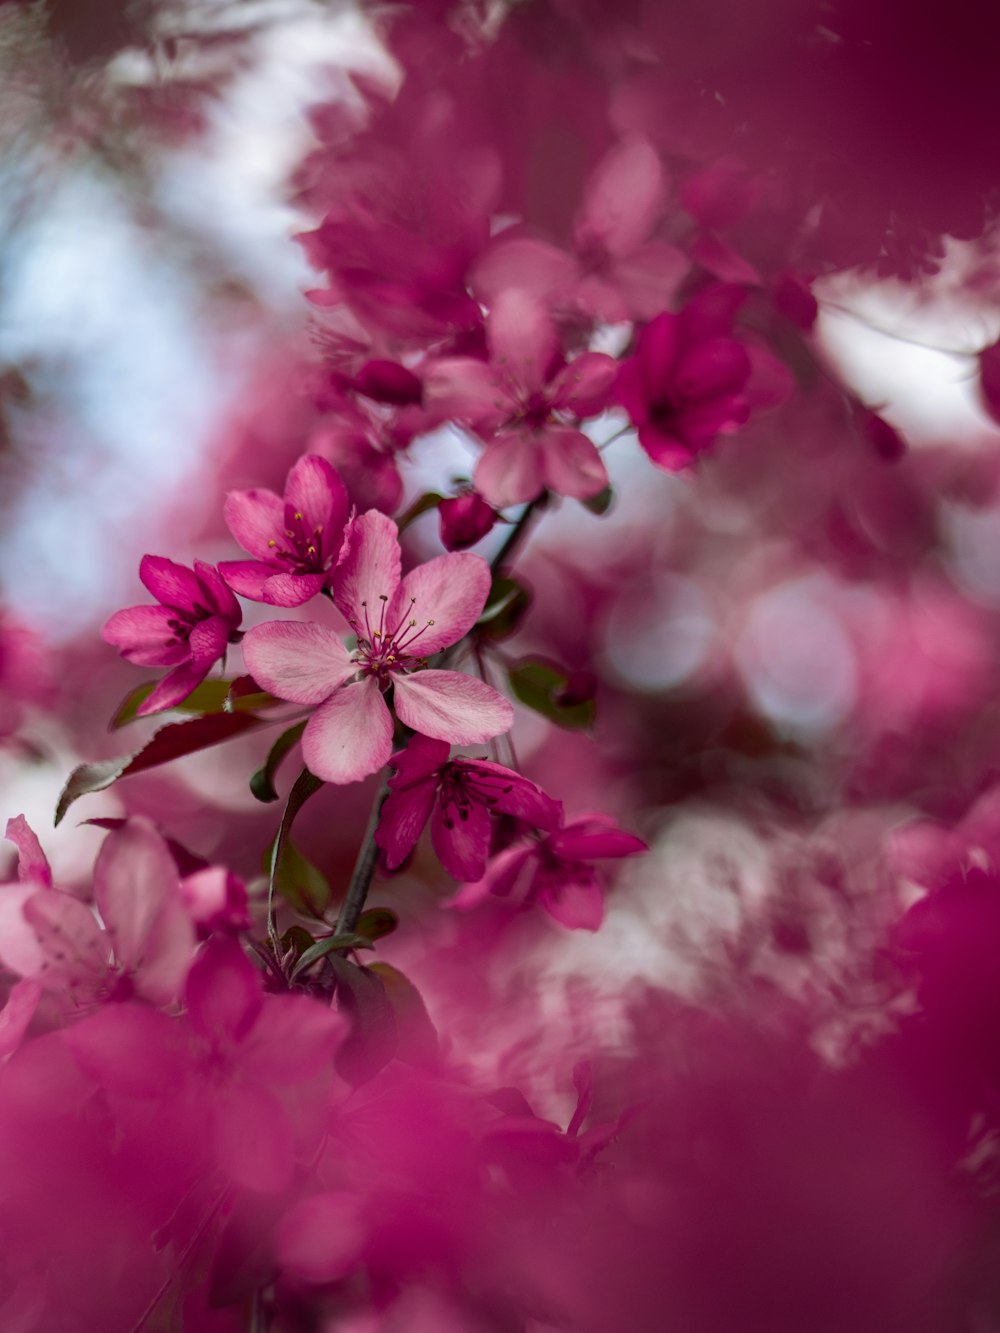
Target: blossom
(556, 872)
(464, 520)
(189, 630)
(615, 272)
(686, 383)
(520, 400)
(399, 623)
(458, 796)
(295, 541)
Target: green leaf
(289, 871)
(548, 690)
(262, 782)
(504, 609)
(170, 742)
(429, 500)
(373, 1039)
(377, 922)
(332, 944)
(211, 696)
(416, 1034)
(600, 503)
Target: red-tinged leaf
(989, 379)
(565, 699)
(373, 1039)
(322, 948)
(170, 742)
(416, 1034)
(242, 695)
(289, 870)
(262, 782)
(377, 922)
(505, 607)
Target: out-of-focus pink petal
(350, 735)
(315, 490)
(287, 590)
(19, 946)
(512, 868)
(522, 263)
(989, 379)
(223, 991)
(464, 520)
(573, 900)
(711, 368)
(321, 1237)
(699, 423)
(584, 387)
(170, 583)
(451, 707)
(389, 382)
(445, 596)
(572, 464)
(594, 837)
(771, 382)
(794, 299)
(462, 844)
(215, 899)
(254, 1142)
(723, 262)
(370, 569)
(32, 863)
(659, 344)
(522, 339)
(17, 1013)
(255, 518)
(174, 688)
(710, 312)
(624, 197)
(509, 470)
(134, 876)
(665, 450)
(649, 278)
(403, 817)
(297, 660)
(166, 957)
(75, 951)
(463, 389)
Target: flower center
(383, 648)
(304, 552)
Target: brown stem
(364, 868)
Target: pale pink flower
(295, 540)
(556, 871)
(197, 617)
(400, 623)
(458, 796)
(524, 401)
(615, 272)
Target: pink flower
(145, 945)
(686, 384)
(295, 541)
(615, 273)
(555, 871)
(464, 520)
(521, 401)
(399, 624)
(458, 796)
(189, 630)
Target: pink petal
(531, 266)
(522, 339)
(509, 470)
(594, 837)
(665, 450)
(315, 490)
(650, 277)
(369, 571)
(17, 1013)
(584, 387)
(711, 368)
(625, 196)
(509, 793)
(572, 464)
(174, 688)
(287, 590)
(711, 312)
(75, 952)
(247, 577)
(451, 707)
(723, 262)
(254, 1141)
(219, 595)
(32, 863)
(462, 845)
(19, 947)
(321, 1238)
(255, 518)
(445, 596)
(575, 900)
(700, 422)
(297, 660)
(134, 876)
(349, 736)
(403, 817)
(464, 520)
(207, 641)
(422, 758)
(223, 992)
(659, 344)
(771, 383)
(169, 948)
(512, 868)
(143, 636)
(463, 389)
(170, 583)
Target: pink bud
(465, 520)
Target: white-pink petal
(350, 736)
(625, 196)
(297, 660)
(369, 570)
(448, 706)
(573, 466)
(445, 596)
(134, 877)
(522, 339)
(509, 471)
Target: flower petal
(451, 707)
(297, 660)
(572, 464)
(711, 368)
(508, 792)
(584, 387)
(462, 845)
(315, 490)
(403, 817)
(624, 197)
(32, 863)
(649, 278)
(532, 266)
(593, 837)
(287, 590)
(445, 596)
(170, 583)
(509, 470)
(207, 641)
(134, 878)
(247, 577)
(659, 344)
(219, 596)
(350, 735)
(369, 571)
(255, 518)
(174, 688)
(522, 339)
(465, 390)
(574, 900)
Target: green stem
(364, 869)
(518, 533)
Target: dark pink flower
(458, 796)
(523, 401)
(197, 617)
(464, 520)
(615, 272)
(556, 871)
(989, 379)
(295, 541)
(686, 383)
(399, 622)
